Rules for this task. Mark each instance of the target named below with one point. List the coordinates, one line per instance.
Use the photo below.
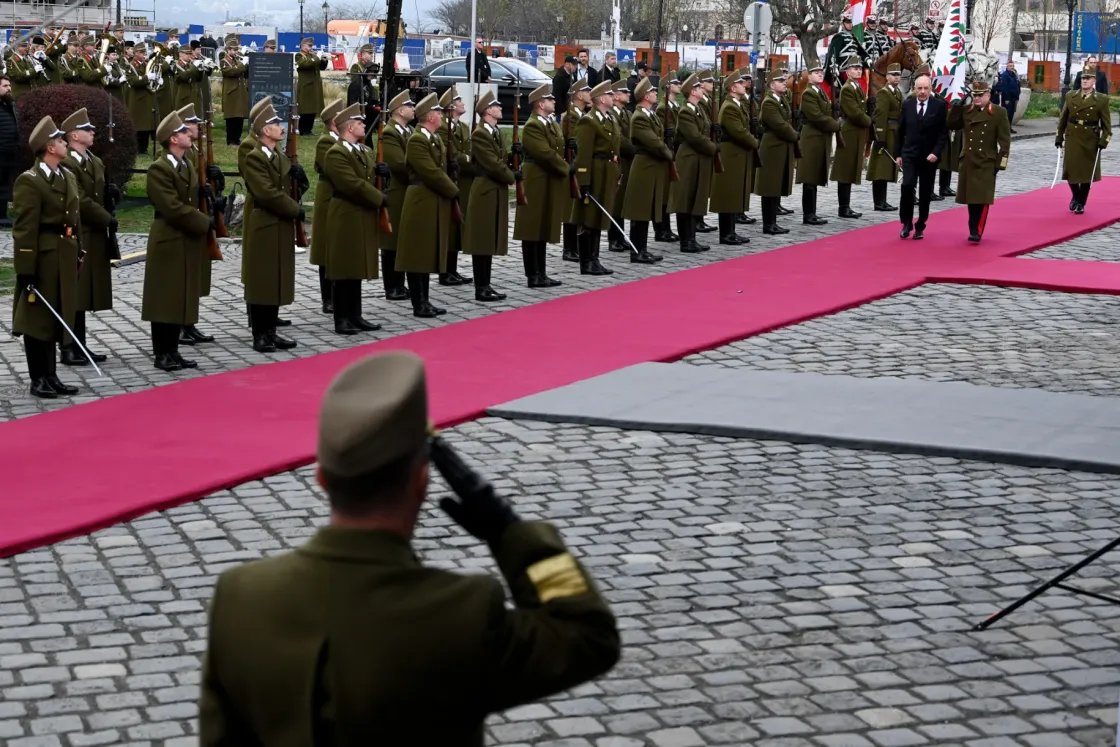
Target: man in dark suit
(922, 135)
(610, 69)
(481, 63)
(585, 71)
(562, 82)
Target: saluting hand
(476, 507)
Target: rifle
(519, 188)
(674, 175)
(220, 229)
(717, 161)
(212, 247)
(871, 114)
(291, 150)
(385, 225)
(839, 120)
(795, 105)
(453, 171)
(570, 157)
(114, 244)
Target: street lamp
(1070, 5)
(326, 15)
(301, 19)
(1112, 29)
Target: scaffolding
(137, 15)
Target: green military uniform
(142, 102)
(775, 177)
(235, 90)
(88, 68)
(546, 190)
(569, 120)
(644, 200)
(394, 145)
(847, 164)
(165, 94)
(458, 148)
(1085, 127)
(243, 150)
(309, 87)
(597, 171)
(626, 152)
(69, 68)
(486, 229)
(986, 145)
(731, 188)
(382, 641)
(189, 79)
(324, 192)
(668, 111)
(688, 197)
(881, 166)
(23, 74)
(116, 86)
(818, 130)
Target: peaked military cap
(853, 61)
(22, 42)
(43, 133)
(1088, 72)
(118, 27)
(187, 114)
(815, 68)
(731, 79)
(894, 69)
(689, 83)
(707, 75)
(169, 126)
(366, 48)
(140, 47)
(232, 40)
(332, 110)
(87, 41)
(427, 105)
(577, 86)
(980, 87)
(774, 75)
(309, 40)
(182, 49)
(401, 99)
(267, 117)
(602, 89)
(259, 107)
(642, 89)
(746, 73)
(541, 92)
(72, 40)
(620, 87)
(354, 111)
(486, 101)
(79, 120)
(448, 98)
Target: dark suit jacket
(481, 66)
(561, 82)
(917, 138)
(611, 74)
(592, 76)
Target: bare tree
(989, 18)
(810, 21)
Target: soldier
(446, 642)
(871, 41)
(847, 166)
(142, 102)
(688, 197)
(42, 64)
(776, 152)
(731, 189)
(667, 112)
(309, 86)
(270, 46)
(320, 224)
(1086, 127)
(270, 264)
(752, 106)
(394, 149)
(881, 166)
(818, 129)
(86, 66)
(45, 237)
(643, 202)
(486, 233)
(841, 50)
(927, 38)
(886, 41)
(597, 172)
(116, 80)
(537, 223)
(95, 284)
(70, 62)
(987, 145)
(165, 83)
(425, 232)
(464, 174)
(353, 235)
(579, 101)
(188, 78)
(235, 89)
(621, 113)
(707, 107)
(22, 70)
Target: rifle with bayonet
(795, 106)
(716, 128)
(515, 160)
(669, 134)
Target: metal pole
(471, 64)
(1069, 51)
(118, 11)
(1014, 25)
(301, 21)
(657, 42)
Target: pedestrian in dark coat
(1008, 90)
(9, 144)
(562, 82)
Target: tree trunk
(808, 44)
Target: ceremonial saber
(74, 337)
(612, 220)
(1058, 167)
(1098, 163)
(889, 157)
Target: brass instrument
(155, 62)
(104, 53)
(54, 42)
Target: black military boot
(571, 243)
(727, 233)
(844, 193)
(542, 259)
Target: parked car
(504, 71)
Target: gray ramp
(1016, 426)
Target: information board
(272, 75)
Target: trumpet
(104, 53)
(54, 42)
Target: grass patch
(7, 277)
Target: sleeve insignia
(557, 577)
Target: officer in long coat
(597, 172)
(352, 226)
(87, 66)
(547, 192)
(688, 197)
(396, 653)
(668, 109)
(708, 109)
(486, 233)
(776, 152)
(1085, 127)
(731, 188)
(95, 282)
(235, 89)
(425, 232)
(881, 166)
(46, 200)
(818, 129)
(579, 103)
(116, 77)
(188, 76)
(21, 70)
(847, 165)
(323, 194)
(986, 147)
(142, 99)
(175, 245)
(456, 136)
(309, 83)
(243, 150)
(621, 113)
(644, 201)
(394, 145)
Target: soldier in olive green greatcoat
(309, 83)
(751, 104)
(731, 188)
(775, 151)
(688, 197)
(87, 66)
(546, 187)
(188, 77)
(620, 111)
(394, 145)
(175, 245)
(46, 199)
(708, 108)
(668, 109)
(402, 654)
(1085, 127)
(116, 77)
(425, 232)
(597, 171)
(881, 166)
(818, 129)
(986, 145)
(644, 200)
(95, 282)
(235, 89)
(463, 173)
(22, 70)
(142, 99)
(243, 150)
(847, 165)
(486, 230)
(323, 193)
(352, 225)
(579, 103)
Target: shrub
(60, 101)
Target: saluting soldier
(847, 166)
(986, 147)
(668, 110)
(46, 199)
(537, 223)
(176, 243)
(644, 201)
(818, 129)
(235, 89)
(405, 641)
(1085, 126)
(464, 173)
(402, 110)
(486, 233)
(621, 112)
(688, 197)
(881, 166)
(353, 233)
(309, 85)
(95, 283)
(425, 233)
(731, 189)
(320, 225)
(579, 101)
(597, 172)
(776, 152)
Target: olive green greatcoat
(243, 150)
(95, 282)
(1086, 126)
(309, 83)
(393, 148)
(818, 130)
(353, 614)
(547, 190)
(486, 232)
(353, 236)
(89, 71)
(141, 104)
(323, 193)
(597, 141)
(69, 67)
(193, 158)
(568, 124)
(731, 189)
(775, 175)
(626, 153)
(42, 204)
(270, 265)
(461, 149)
(115, 88)
(425, 233)
(690, 193)
(888, 108)
(986, 145)
(165, 96)
(645, 196)
(235, 87)
(188, 87)
(668, 113)
(847, 164)
(176, 245)
(22, 73)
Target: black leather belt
(1084, 123)
(603, 156)
(60, 228)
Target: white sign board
(758, 18)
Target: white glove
(105, 81)
(153, 77)
(123, 78)
(198, 63)
(38, 67)
(159, 81)
(41, 54)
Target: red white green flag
(950, 63)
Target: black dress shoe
(440, 311)
(183, 362)
(192, 331)
(774, 229)
(345, 327)
(645, 258)
(1080, 209)
(849, 213)
(397, 294)
(948, 192)
(666, 236)
(548, 282)
(452, 279)
(281, 343)
(488, 295)
(594, 267)
(281, 323)
(919, 234)
(974, 238)
(784, 211)
(905, 232)
(617, 246)
(889, 207)
(745, 220)
(703, 227)
(42, 389)
(263, 344)
(814, 220)
(328, 307)
(185, 338)
(71, 355)
(95, 357)
(58, 386)
(424, 311)
(165, 362)
(363, 325)
(733, 239)
(538, 281)
(570, 256)
(936, 197)
(1073, 204)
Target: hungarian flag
(950, 63)
(860, 9)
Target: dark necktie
(921, 109)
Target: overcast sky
(285, 13)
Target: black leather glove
(518, 176)
(670, 134)
(585, 191)
(382, 170)
(1058, 142)
(453, 171)
(205, 191)
(570, 144)
(300, 177)
(220, 204)
(113, 224)
(572, 168)
(113, 192)
(22, 281)
(476, 507)
(213, 224)
(518, 148)
(717, 129)
(215, 177)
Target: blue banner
(1095, 33)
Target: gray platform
(1017, 426)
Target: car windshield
(528, 73)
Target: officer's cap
(542, 92)
(485, 101)
(930, 19)
(72, 40)
(980, 87)
(706, 76)
(731, 79)
(21, 42)
(642, 89)
(774, 75)
(354, 111)
(332, 110)
(745, 73)
(427, 105)
(871, 18)
(270, 44)
(87, 41)
(259, 107)
(602, 89)
(894, 69)
(689, 83)
(112, 49)
(374, 414)
(233, 40)
(1088, 72)
(853, 61)
(267, 117)
(577, 86)
(186, 114)
(140, 47)
(169, 126)
(118, 27)
(309, 40)
(79, 120)
(182, 49)
(448, 98)
(401, 99)
(620, 87)
(366, 48)
(43, 133)
(815, 68)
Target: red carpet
(70, 475)
(1070, 276)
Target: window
(454, 69)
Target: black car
(504, 71)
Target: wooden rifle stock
(456, 209)
(219, 219)
(212, 247)
(519, 186)
(674, 175)
(839, 120)
(384, 224)
(570, 156)
(291, 150)
(717, 161)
